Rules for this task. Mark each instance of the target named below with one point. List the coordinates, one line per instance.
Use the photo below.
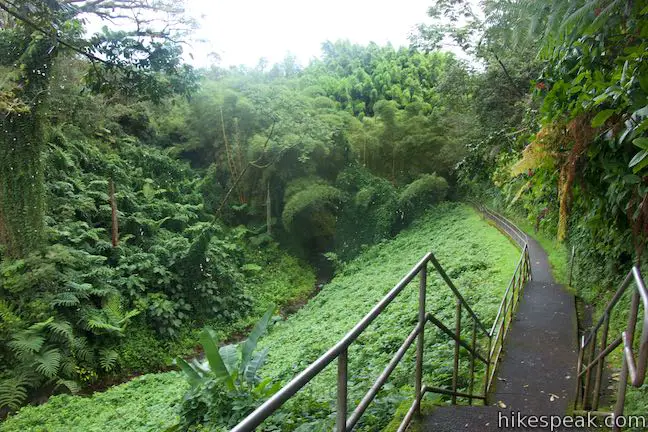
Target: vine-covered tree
(32, 36)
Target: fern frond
(577, 17)
(68, 367)
(108, 359)
(81, 290)
(126, 318)
(26, 343)
(112, 307)
(7, 313)
(13, 392)
(41, 325)
(67, 299)
(62, 329)
(82, 350)
(97, 323)
(73, 386)
(48, 362)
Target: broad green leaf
(255, 364)
(251, 342)
(600, 118)
(642, 143)
(215, 360)
(192, 375)
(639, 161)
(642, 126)
(601, 98)
(229, 354)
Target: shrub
(422, 193)
(369, 216)
(227, 387)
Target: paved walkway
(537, 373)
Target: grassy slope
(477, 257)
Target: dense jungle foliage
(476, 256)
(572, 162)
(142, 200)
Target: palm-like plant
(227, 386)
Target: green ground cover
(476, 256)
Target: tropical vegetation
(151, 212)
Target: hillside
(477, 256)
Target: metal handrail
(339, 351)
(507, 308)
(511, 297)
(587, 361)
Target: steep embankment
(476, 256)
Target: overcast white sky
(243, 31)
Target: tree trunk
(22, 189)
(22, 181)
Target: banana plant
(236, 366)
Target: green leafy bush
(419, 195)
(369, 216)
(228, 386)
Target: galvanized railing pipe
(275, 401)
(633, 370)
(340, 350)
(420, 343)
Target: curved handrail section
(593, 351)
(511, 298)
(637, 373)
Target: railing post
(623, 377)
(601, 363)
(571, 264)
(455, 369)
(341, 417)
(420, 343)
(472, 362)
(488, 367)
(503, 327)
(588, 372)
(579, 365)
(620, 403)
(515, 282)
